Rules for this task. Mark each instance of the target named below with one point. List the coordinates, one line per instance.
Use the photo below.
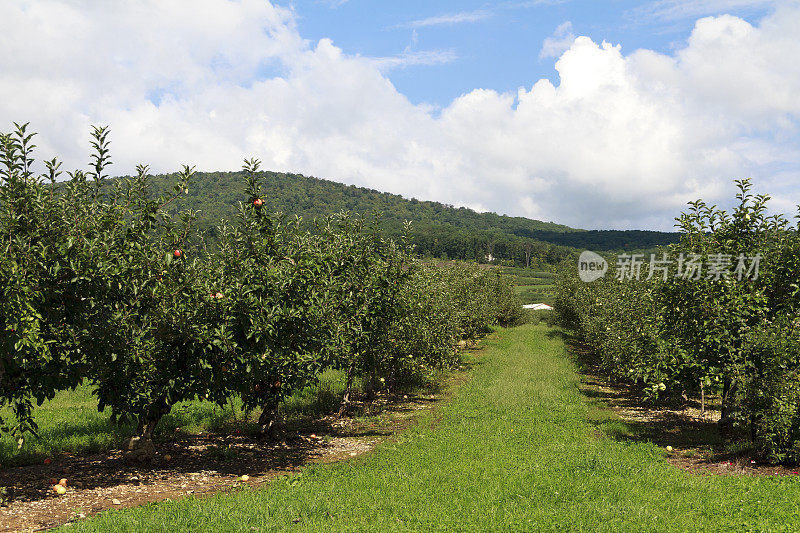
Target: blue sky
(496, 45)
(594, 114)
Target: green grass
(517, 449)
(532, 286)
(534, 294)
(70, 422)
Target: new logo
(591, 266)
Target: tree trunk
(270, 422)
(725, 423)
(702, 399)
(346, 398)
(147, 426)
(140, 447)
(727, 389)
(372, 386)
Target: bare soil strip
(198, 465)
(691, 432)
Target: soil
(198, 465)
(688, 426)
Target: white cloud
(559, 42)
(685, 9)
(450, 19)
(413, 58)
(536, 3)
(620, 141)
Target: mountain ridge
(439, 230)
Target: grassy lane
(512, 451)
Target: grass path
(512, 451)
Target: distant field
(532, 286)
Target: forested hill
(439, 230)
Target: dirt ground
(196, 465)
(688, 429)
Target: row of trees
(719, 316)
(101, 284)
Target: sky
(597, 114)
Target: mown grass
(515, 450)
(70, 422)
(534, 294)
(532, 286)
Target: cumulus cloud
(559, 42)
(620, 141)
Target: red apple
(63, 482)
(48, 461)
(53, 481)
(258, 202)
(177, 253)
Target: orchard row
(738, 337)
(100, 284)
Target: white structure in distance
(538, 307)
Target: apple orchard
(103, 284)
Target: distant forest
(438, 230)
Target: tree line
(110, 282)
(438, 230)
(718, 314)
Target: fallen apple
(669, 449)
(48, 461)
(245, 478)
(63, 482)
(53, 481)
(60, 489)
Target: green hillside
(439, 230)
